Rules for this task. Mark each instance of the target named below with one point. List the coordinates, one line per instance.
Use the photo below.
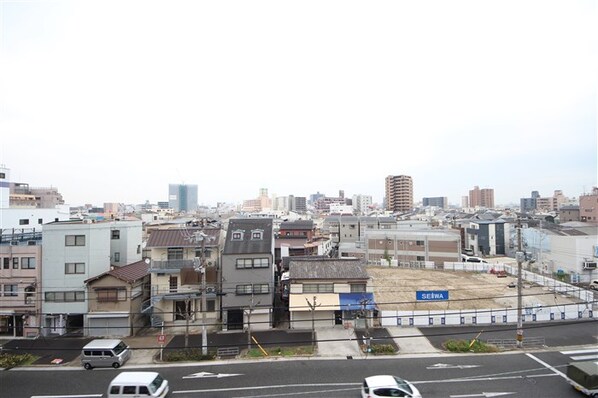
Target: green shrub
(281, 351)
(8, 361)
(467, 346)
(382, 349)
(189, 354)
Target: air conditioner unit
(589, 265)
(210, 289)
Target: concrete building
(75, 251)
(487, 238)
(441, 202)
(351, 229)
(588, 206)
(362, 204)
(20, 283)
(529, 204)
(182, 198)
(399, 193)
(411, 246)
(481, 197)
(569, 213)
(248, 274)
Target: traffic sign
(161, 339)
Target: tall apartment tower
(399, 193)
(182, 198)
(481, 197)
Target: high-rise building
(182, 198)
(399, 193)
(481, 197)
(362, 204)
(439, 201)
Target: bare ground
(395, 289)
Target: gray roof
(247, 245)
(327, 269)
(298, 224)
(182, 237)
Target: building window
(237, 235)
(115, 234)
(15, 263)
(29, 295)
(419, 242)
(23, 221)
(358, 288)
(116, 257)
(28, 263)
(74, 268)
(10, 290)
(65, 297)
(175, 253)
(420, 258)
(6, 263)
(40, 221)
(252, 263)
(260, 263)
(244, 289)
(257, 234)
(138, 249)
(75, 240)
(211, 305)
(173, 283)
(244, 263)
(110, 295)
(318, 288)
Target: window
(115, 234)
(261, 288)
(6, 263)
(237, 235)
(257, 234)
(28, 263)
(75, 240)
(74, 268)
(110, 295)
(421, 258)
(260, 263)
(138, 249)
(244, 289)
(15, 263)
(116, 257)
(318, 288)
(59, 297)
(10, 290)
(173, 283)
(358, 288)
(175, 253)
(252, 263)
(419, 242)
(23, 221)
(211, 305)
(244, 263)
(40, 220)
(129, 390)
(29, 295)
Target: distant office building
(551, 203)
(441, 202)
(464, 201)
(163, 205)
(399, 193)
(362, 204)
(299, 204)
(481, 197)
(182, 198)
(314, 197)
(290, 203)
(529, 204)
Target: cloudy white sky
(110, 101)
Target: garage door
(108, 327)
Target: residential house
(329, 292)
(20, 282)
(248, 274)
(73, 252)
(115, 300)
(183, 260)
(487, 237)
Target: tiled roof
(299, 224)
(128, 273)
(327, 269)
(247, 245)
(182, 237)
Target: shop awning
(324, 302)
(356, 301)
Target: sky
(111, 101)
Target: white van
(105, 353)
(594, 284)
(138, 384)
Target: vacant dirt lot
(395, 289)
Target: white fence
(492, 316)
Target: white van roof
(102, 344)
(134, 377)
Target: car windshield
(156, 384)
(403, 385)
(120, 348)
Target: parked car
(388, 386)
(594, 284)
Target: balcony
(169, 265)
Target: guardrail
(227, 352)
(530, 342)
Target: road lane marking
(484, 395)
(541, 362)
(67, 396)
(579, 351)
(584, 357)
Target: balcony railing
(156, 266)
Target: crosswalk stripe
(584, 357)
(580, 351)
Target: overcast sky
(110, 101)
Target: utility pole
(199, 265)
(364, 303)
(519, 256)
(249, 320)
(312, 308)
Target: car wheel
(116, 365)
(87, 366)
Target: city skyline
(299, 98)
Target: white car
(388, 386)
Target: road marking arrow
(484, 394)
(448, 366)
(208, 374)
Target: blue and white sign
(432, 295)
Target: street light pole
(519, 256)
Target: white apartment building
(362, 204)
(74, 251)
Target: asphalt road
(447, 376)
